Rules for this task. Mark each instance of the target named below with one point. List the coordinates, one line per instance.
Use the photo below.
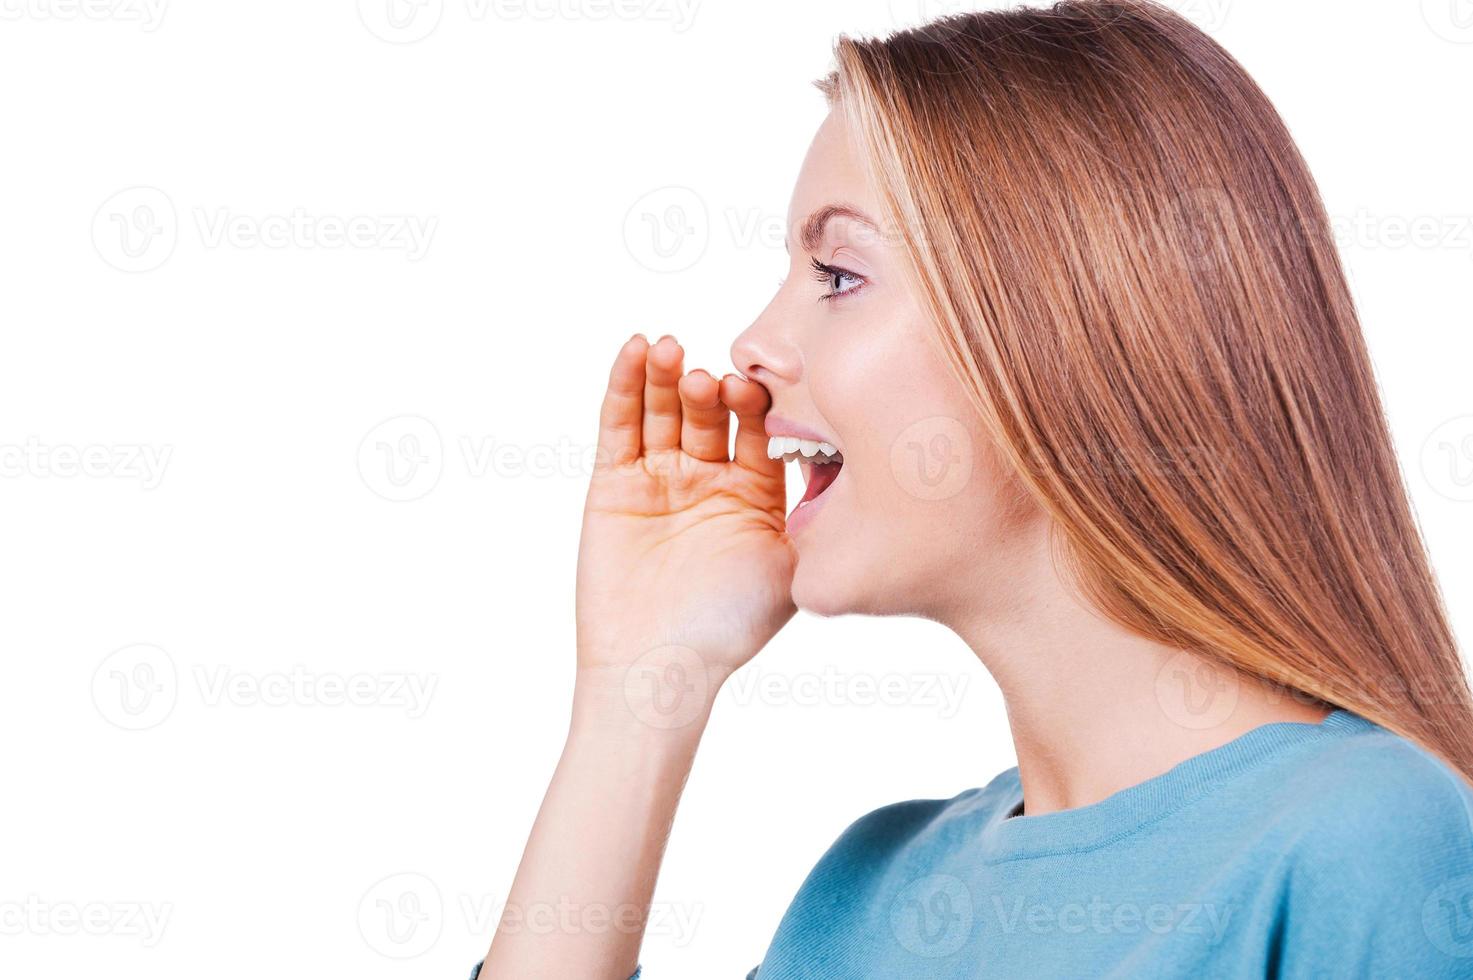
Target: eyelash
(825, 274)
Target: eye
(839, 281)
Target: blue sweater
(1297, 850)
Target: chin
(818, 597)
(826, 584)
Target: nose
(766, 351)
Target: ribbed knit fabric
(1297, 850)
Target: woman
(1070, 261)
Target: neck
(1093, 708)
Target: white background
(201, 542)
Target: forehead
(831, 172)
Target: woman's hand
(684, 573)
(684, 563)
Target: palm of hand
(681, 544)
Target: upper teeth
(787, 448)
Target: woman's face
(919, 510)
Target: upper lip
(779, 426)
(776, 425)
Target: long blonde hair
(1134, 275)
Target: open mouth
(821, 462)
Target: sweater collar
(1084, 828)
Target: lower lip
(808, 509)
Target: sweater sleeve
(1389, 891)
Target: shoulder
(912, 818)
(925, 824)
(1379, 870)
(883, 836)
(1382, 795)
(892, 840)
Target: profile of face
(920, 510)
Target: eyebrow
(812, 234)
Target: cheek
(922, 488)
(854, 392)
(909, 435)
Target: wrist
(664, 695)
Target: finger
(622, 415)
(705, 422)
(750, 402)
(661, 400)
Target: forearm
(581, 896)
